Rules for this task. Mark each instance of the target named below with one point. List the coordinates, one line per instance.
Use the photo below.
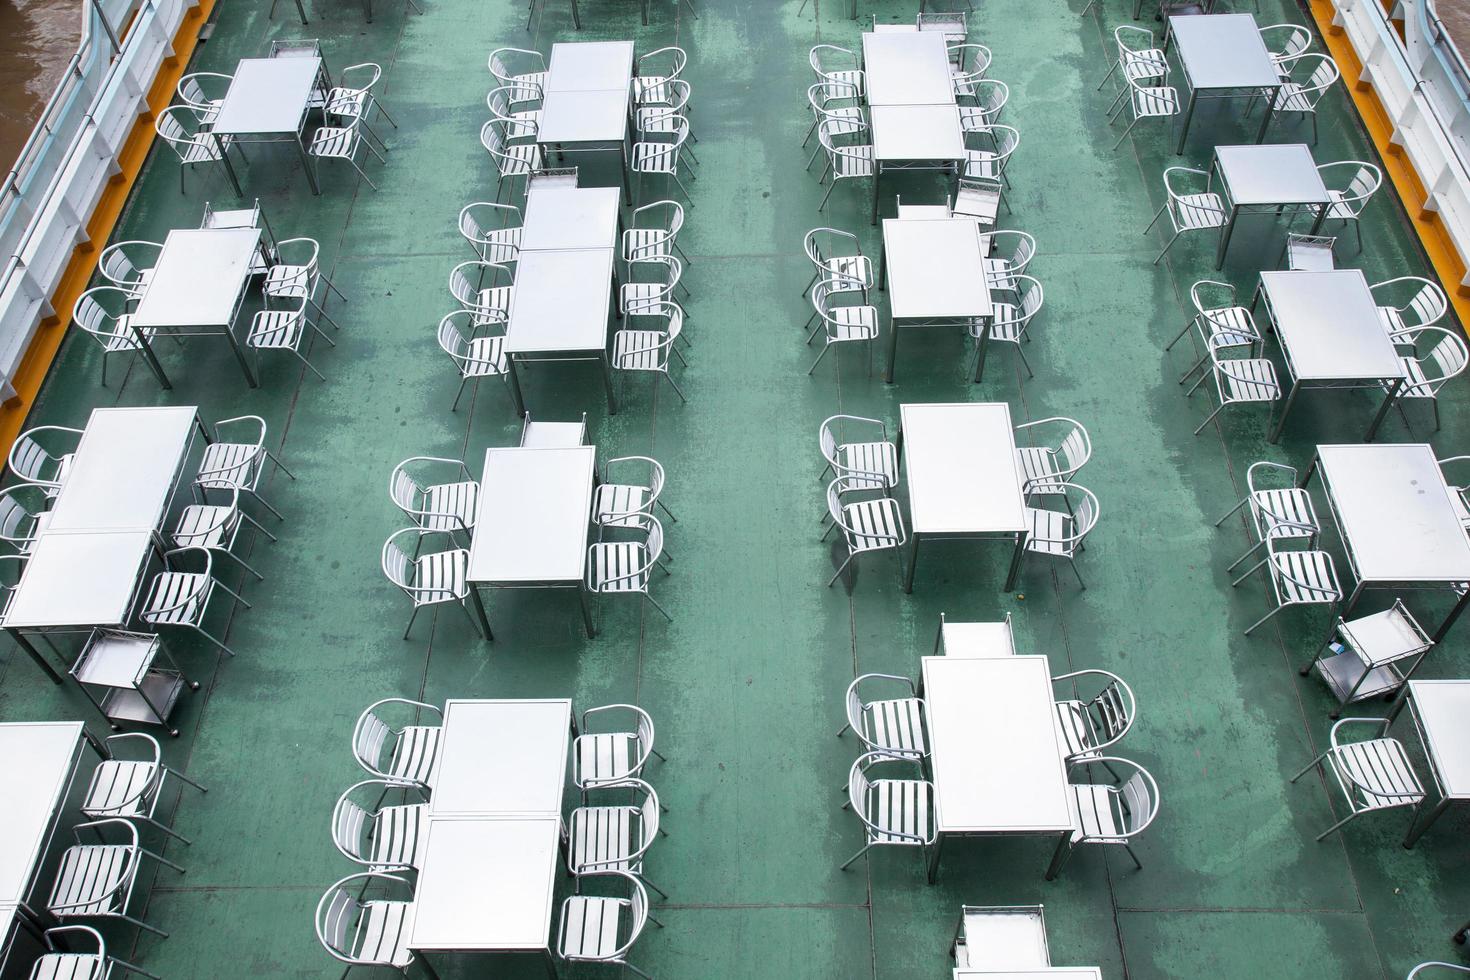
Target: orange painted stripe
(38, 357)
(1438, 245)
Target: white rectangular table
(37, 763)
(907, 68)
(1441, 715)
(196, 289)
(975, 639)
(266, 103)
(125, 469)
(1265, 177)
(531, 528)
(487, 884)
(587, 100)
(963, 479)
(559, 311)
(1330, 335)
(589, 66)
(1040, 973)
(570, 217)
(502, 756)
(998, 767)
(1223, 55)
(934, 272)
(1396, 519)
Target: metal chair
(870, 524)
(628, 488)
(600, 757)
(1091, 724)
(1349, 201)
(1423, 304)
(1219, 321)
(648, 350)
(353, 96)
(896, 725)
(360, 921)
(968, 64)
(662, 119)
(1311, 253)
(1284, 42)
(1444, 357)
(130, 788)
(180, 597)
(399, 754)
(516, 123)
(102, 313)
(991, 161)
(1063, 448)
(216, 527)
(654, 231)
(624, 567)
(204, 92)
(436, 493)
(1147, 102)
(297, 272)
(42, 455)
(1449, 467)
(837, 256)
(1306, 78)
(847, 162)
(11, 569)
(286, 328)
(1189, 206)
(989, 101)
(343, 143)
(858, 451)
(662, 156)
(476, 345)
(841, 324)
(489, 303)
(1374, 774)
(237, 465)
(493, 230)
(518, 66)
(1001, 938)
(95, 881)
(183, 129)
(1433, 965)
(651, 281)
(428, 579)
(1139, 58)
(1297, 578)
(826, 72)
(1062, 533)
(653, 71)
(1010, 317)
(595, 929)
(129, 265)
(379, 837)
(1014, 251)
(1108, 814)
(614, 836)
(511, 159)
(553, 435)
(894, 812)
(62, 961)
(979, 198)
(23, 515)
(1277, 512)
(839, 104)
(1238, 380)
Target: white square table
(75, 580)
(587, 100)
(907, 68)
(197, 287)
(1223, 54)
(963, 480)
(487, 884)
(1328, 328)
(934, 272)
(1265, 177)
(534, 513)
(125, 469)
(559, 311)
(1441, 715)
(915, 137)
(266, 103)
(1396, 519)
(975, 639)
(570, 217)
(589, 66)
(1040, 973)
(1000, 770)
(502, 757)
(38, 761)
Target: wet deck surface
(746, 685)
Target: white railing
(49, 195)
(1423, 111)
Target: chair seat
(617, 566)
(1050, 532)
(414, 754)
(1193, 211)
(440, 577)
(1375, 774)
(495, 299)
(1146, 64)
(519, 158)
(1155, 101)
(229, 465)
(276, 330)
(642, 297)
(853, 323)
(976, 119)
(651, 90)
(1304, 577)
(854, 77)
(450, 506)
(348, 102)
(1093, 816)
(334, 141)
(847, 271)
(383, 931)
(1393, 323)
(93, 879)
(601, 837)
(604, 756)
(201, 149)
(853, 161)
(1251, 379)
(1288, 506)
(896, 724)
(1039, 469)
(899, 806)
(485, 357)
(619, 504)
(641, 243)
(879, 458)
(982, 205)
(118, 789)
(655, 158)
(289, 280)
(69, 966)
(589, 927)
(1228, 326)
(1416, 384)
(1293, 98)
(501, 245)
(1340, 208)
(640, 350)
(983, 163)
(398, 837)
(1074, 725)
(999, 274)
(875, 524)
(1006, 325)
(656, 119)
(843, 121)
(177, 598)
(536, 78)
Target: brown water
(37, 39)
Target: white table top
(1327, 323)
(199, 277)
(917, 132)
(570, 217)
(535, 508)
(36, 760)
(1394, 512)
(599, 116)
(486, 883)
(267, 95)
(1040, 973)
(907, 68)
(79, 578)
(124, 470)
(499, 757)
(589, 66)
(1270, 173)
(977, 639)
(1443, 708)
(935, 268)
(1223, 51)
(960, 463)
(560, 302)
(997, 764)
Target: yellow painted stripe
(43, 348)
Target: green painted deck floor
(746, 685)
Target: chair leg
(834, 578)
(1157, 215)
(855, 857)
(1263, 619)
(176, 773)
(410, 621)
(825, 349)
(1078, 574)
(677, 390)
(1242, 503)
(1350, 816)
(670, 619)
(1210, 418)
(1179, 336)
(457, 395)
(1250, 551)
(667, 511)
(1251, 571)
(143, 925)
(1136, 863)
(170, 831)
(1167, 247)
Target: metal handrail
(1444, 46)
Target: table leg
(981, 346)
(908, 579)
(1016, 557)
(576, 16)
(152, 359)
(1275, 435)
(479, 604)
(1188, 115)
(892, 347)
(219, 145)
(1353, 599)
(1225, 234)
(1388, 400)
(546, 953)
(1059, 857)
(607, 380)
(1421, 822)
(306, 164)
(586, 612)
(1449, 620)
(1266, 116)
(877, 179)
(240, 356)
(1321, 217)
(515, 385)
(934, 854)
(1306, 476)
(882, 267)
(623, 175)
(35, 655)
(301, 10)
